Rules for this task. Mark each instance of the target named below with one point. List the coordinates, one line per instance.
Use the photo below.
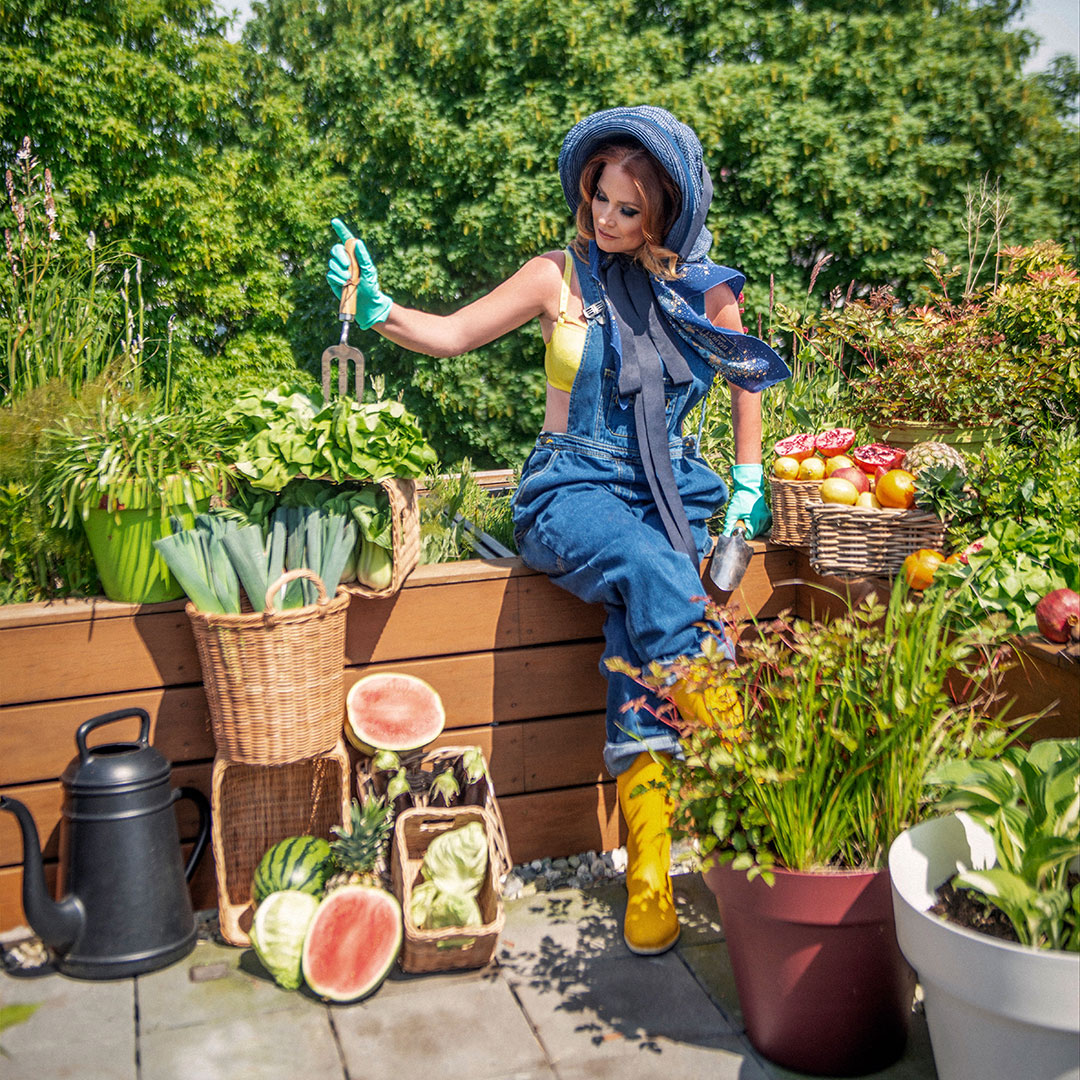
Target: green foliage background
(433, 127)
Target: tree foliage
(148, 119)
(433, 126)
(852, 130)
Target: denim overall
(584, 515)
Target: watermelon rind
(278, 932)
(297, 862)
(391, 710)
(360, 962)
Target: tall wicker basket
(274, 680)
(405, 530)
(253, 807)
(451, 948)
(791, 517)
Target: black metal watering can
(125, 907)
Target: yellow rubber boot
(651, 924)
(711, 706)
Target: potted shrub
(987, 904)
(956, 369)
(121, 469)
(812, 760)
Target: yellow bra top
(563, 352)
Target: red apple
(856, 476)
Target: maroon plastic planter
(822, 983)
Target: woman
(613, 501)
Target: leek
(248, 554)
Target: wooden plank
(1038, 683)
(51, 661)
(37, 741)
(768, 586)
(562, 822)
(45, 800)
(564, 752)
(513, 684)
(466, 616)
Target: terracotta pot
(822, 983)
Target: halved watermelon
(392, 711)
(352, 942)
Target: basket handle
(293, 575)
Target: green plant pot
(122, 543)
(904, 434)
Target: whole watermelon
(297, 862)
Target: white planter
(994, 1009)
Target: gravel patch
(588, 870)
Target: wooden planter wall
(515, 659)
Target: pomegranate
(1058, 616)
(836, 441)
(799, 447)
(870, 456)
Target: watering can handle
(199, 799)
(120, 714)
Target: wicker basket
(791, 518)
(255, 806)
(274, 680)
(856, 541)
(451, 948)
(420, 769)
(405, 530)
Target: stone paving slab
(472, 1028)
(290, 1044)
(597, 1008)
(228, 983)
(80, 1029)
(719, 1059)
(589, 922)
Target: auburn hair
(660, 204)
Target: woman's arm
(722, 308)
(533, 291)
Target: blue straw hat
(671, 142)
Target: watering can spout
(57, 923)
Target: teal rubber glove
(747, 502)
(372, 304)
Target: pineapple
(925, 455)
(360, 848)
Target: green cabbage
(457, 861)
(432, 909)
(278, 931)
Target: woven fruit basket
(421, 768)
(791, 518)
(452, 948)
(405, 530)
(852, 541)
(274, 680)
(254, 807)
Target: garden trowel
(730, 558)
(343, 352)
